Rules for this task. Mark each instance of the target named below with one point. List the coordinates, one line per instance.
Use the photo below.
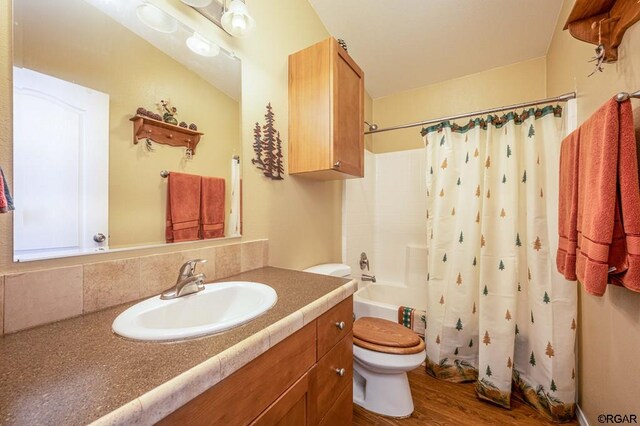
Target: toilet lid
(384, 334)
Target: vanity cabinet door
(296, 407)
(341, 413)
(335, 374)
(244, 395)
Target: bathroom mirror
(82, 68)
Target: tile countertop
(77, 371)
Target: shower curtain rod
(561, 98)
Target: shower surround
(384, 216)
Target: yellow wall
(134, 73)
(301, 218)
(368, 117)
(507, 85)
(609, 329)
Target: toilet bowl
(383, 352)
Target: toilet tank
(333, 269)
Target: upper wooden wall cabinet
(326, 113)
(612, 17)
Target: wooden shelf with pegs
(164, 133)
(604, 20)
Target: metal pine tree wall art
(268, 147)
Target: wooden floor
(442, 403)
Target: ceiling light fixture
(236, 19)
(197, 3)
(201, 46)
(155, 18)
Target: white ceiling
(406, 44)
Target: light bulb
(236, 20)
(155, 18)
(201, 46)
(238, 23)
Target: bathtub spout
(366, 277)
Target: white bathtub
(382, 300)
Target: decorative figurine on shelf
(168, 112)
(343, 44)
(151, 127)
(268, 148)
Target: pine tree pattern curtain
(498, 312)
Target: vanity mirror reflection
(82, 68)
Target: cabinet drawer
(330, 383)
(243, 395)
(334, 324)
(341, 413)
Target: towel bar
(164, 174)
(623, 96)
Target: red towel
(568, 206)
(183, 207)
(599, 208)
(3, 200)
(212, 206)
(626, 235)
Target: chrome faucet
(364, 261)
(367, 277)
(188, 282)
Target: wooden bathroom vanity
(291, 365)
(304, 380)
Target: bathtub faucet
(367, 277)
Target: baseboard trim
(582, 419)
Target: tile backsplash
(28, 299)
(40, 297)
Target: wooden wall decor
(612, 17)
(268, 147)
(164, 128)
(164, 133)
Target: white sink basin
(218, 307)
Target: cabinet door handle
(340, 372)
(340, 325)
(337, 164)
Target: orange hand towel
(212, 205)
(568, 206)
(625, 249)
(595, 163)
(183, 207)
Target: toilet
(383, 352)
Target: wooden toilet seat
(384, 336)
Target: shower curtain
(498, 312)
